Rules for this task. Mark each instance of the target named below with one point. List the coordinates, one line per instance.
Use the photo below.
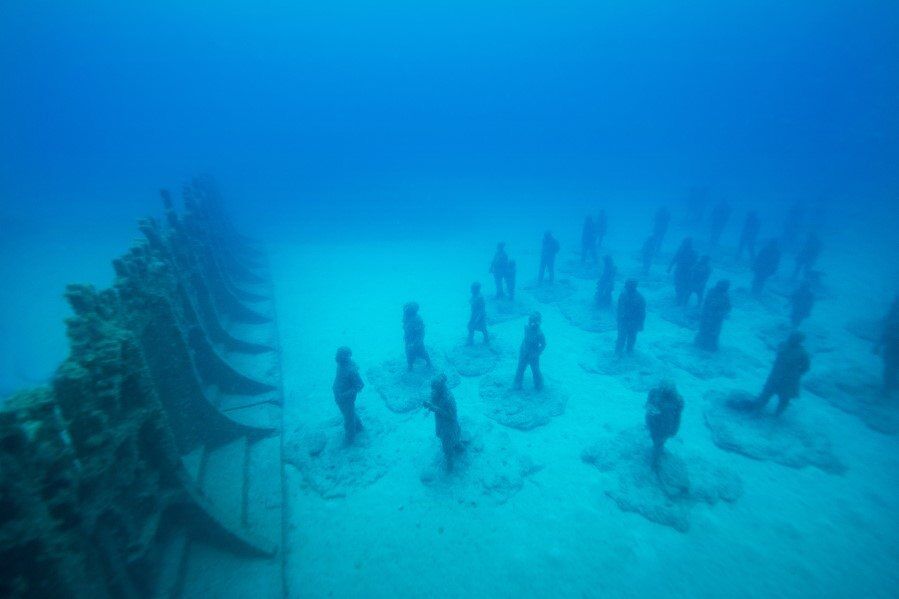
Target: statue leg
(519, 372)
(619, 343)
(537, 374)
(631, 341)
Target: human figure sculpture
(347, 385)
(765, 265)
(631, 317)
(791, 363)
(477, 320)
(532, 347)
(715, 309)
(414, 336)
(499, 268)
(548, 251)
(664, 407)
(606, 284)
(683, 263)
(446, 421)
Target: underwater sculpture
(792, 361)
(548, 251)
(888, 348)
(606, 283)
(509, 278)
(765, 265)
(715, 309)
(446, 421)
(631, 317)
(532, 347)
(699, 277)
(588, 241)
(807, 255)
(602, 226)
(347, 385)
(124, 451)
(720, 216)
(682, 263)
(664, 406)
(499, 268)
(749, 235)
(414, 336)
(801, 303)
(660, 225)
(648, 253)
(477, 320)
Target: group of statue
(691, 274)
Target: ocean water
(379, 151)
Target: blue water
(380, 149)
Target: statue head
(535, 319)
(343, 355)
(438, 383)
(630, 285)
(667, 387)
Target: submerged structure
(151, 465)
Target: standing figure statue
(631, 317)
(529, 355)
(548, 252)
(765, 265)
(446, 421)
(477, 320)
(606, 284)
(888, 348)
(699, 278)
(414, 336)
(720, 216)
(664, 407)
(660, 225)
(588, 241)
(648, 253)
(807, 255)
(511, 274)
(602, 226)
(749, 235)
(499, 267)
(791, 363)
(683, 263)
(714, 310)
(801, 303)
(347, 384)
